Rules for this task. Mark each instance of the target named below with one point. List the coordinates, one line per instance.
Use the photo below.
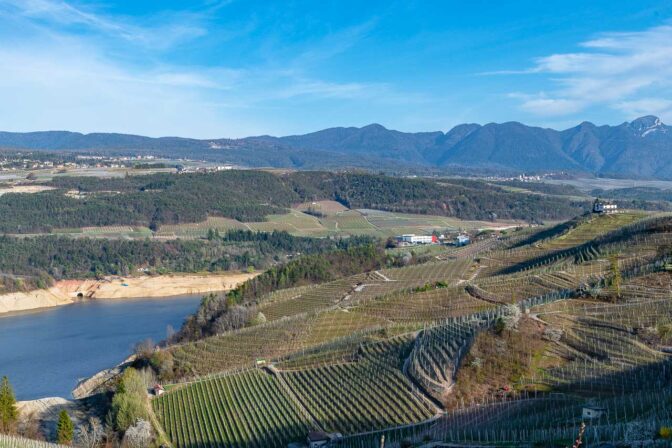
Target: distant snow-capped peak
(647, 125)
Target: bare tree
(139, 435)
(170, 334)
(30, 427)
(144, 349)
(90, 435)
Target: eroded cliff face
(68, 291)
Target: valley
(411, 340)
(340, 224)
(318, 314)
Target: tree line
(461, 198)
(247, 195)
(29, 263)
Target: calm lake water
(45, 353)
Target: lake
(45, 353)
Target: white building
(410, 238)
(462, 240)
(604, 207)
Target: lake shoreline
(66, 292)
(52, 352)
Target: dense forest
(33, 262)
(145, 200)
(647, 198)
(466, 199)
(157, 199)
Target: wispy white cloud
(540, 104)
(646, 106)
(63, 71)
(171, 29)
(616, 70)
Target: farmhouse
(604, 207)
(158, 390)
(462, 240)
(411, 238)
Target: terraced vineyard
(358, 397)
(592, 228)
(19, 442)
(428, 306)
(429, 272)
(249, 409)
(339, 323)
(359, 288)
(372, 342)
(376, 352)
(306, 300)
(438, 352)
(240, 349)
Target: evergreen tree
(616, 277)
(8, 411)
(65, 429)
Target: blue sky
(236, 68)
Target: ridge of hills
(635, 149)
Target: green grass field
(336, 220)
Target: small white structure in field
(603, 207)
(593, 412)
(159, 390)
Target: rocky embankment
(68, 291)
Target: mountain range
(641, 148)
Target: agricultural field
(247, 409)
(19, 442)
(429, 306)
(400, 223)
(592, 228)
(325, 208)
(236, 350)
(340, 323)
(294, 222)
(320, 219)
(358, 397)
(200, 229)
(381, 352)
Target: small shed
(158, 390)
(462, 240)
(317, 439)
(593, 412)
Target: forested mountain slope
(640, 148)
(159, 199)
